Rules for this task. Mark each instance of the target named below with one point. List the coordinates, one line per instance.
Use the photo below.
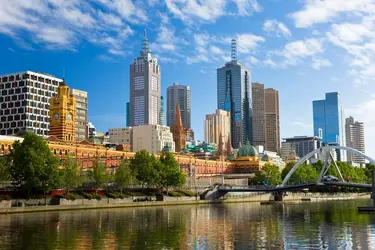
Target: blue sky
(302, 48)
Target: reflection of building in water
(209, 229)
(361, 236)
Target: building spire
(234, 50)
(178, 120)
(229, 145)
(145, 44)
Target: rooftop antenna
(234, 50)
(145, 44)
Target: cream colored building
(121, 135)
(153, 138)
(81, 114)
(214, 125)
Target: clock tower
(63, 115)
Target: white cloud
(63, 24)
(318, 63)
(270, 63)
(208, 11)
(216, 50)
(253, 60)
(319, 11)
(277, 28)
(248, 42)
(295, 51)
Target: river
(308, 225)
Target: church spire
(229, 145)
(178, 131)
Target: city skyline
(195, 48)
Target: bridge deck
(292, 187)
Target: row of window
(24, 103)
(28, 76)
(14, 131)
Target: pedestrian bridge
(325, 153)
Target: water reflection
(328, 225)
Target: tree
(123, 175)
(258, 179)
(4, 169)
(272, 173)
(143, 168)
(98, 174)
(71, 176)
(33, 166)
(169, 173)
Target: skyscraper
(178, 94)
(145, 78)
(161, 118)
(81, 114)
(259, 115)
(215, 125)
(355, 138)
(234, 96)
(127, 114)
(329, 122)
(271, 100)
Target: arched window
(72, 154)
(60, 153)
(66, 152)
(54, 151)
(2, 147)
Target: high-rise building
(271, 99)
(355, 138)
(152, 138)
(259, 115)
(178, 131)
(145, 78)
(178, 94)
(328, 117)
(161, 118)
(234, 96)
(301, 145)
(81, 114)
(63, 114)
(127, 114)
(215, 125)
(24, 102)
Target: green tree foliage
(123, 175)
(286, 169)
(71, 176)
(33, 166)
(269, 172)
(143, 167)
(169, 173)
(4, 169)
(98, 174)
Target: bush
(174, 194)
(86, 195)
(5, 198)
(187, 193)
(114, 195)
(96, 196)
(69, 196)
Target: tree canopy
(98, 174)
(123, 175)
(32, 165)
(71, 176)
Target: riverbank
(105, 204)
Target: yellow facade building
(63, 115)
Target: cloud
(318, 11)
(207, 11)
(253, 60)
(294, 52)
(318, 63)
(63, 24)
(277, 28)
(248, 42)
(270, 63)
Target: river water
(308, 225)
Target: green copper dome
(265, 157)
(247, 150)
(166, 149)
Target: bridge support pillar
(370, 209)
(278, 196)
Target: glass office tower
(329, 122)
(234, 95)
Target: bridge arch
(309, 155)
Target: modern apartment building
(302, 145)
(216, 124)
(24, 102)
(121, 135)
(81, 114)
(145, 78)
(271, 100)
(328, 117)
(234, 96)
(355, 138)
(178, 94)
(152, 138)
(259, 115)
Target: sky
(303, 48)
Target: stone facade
(178, 131)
